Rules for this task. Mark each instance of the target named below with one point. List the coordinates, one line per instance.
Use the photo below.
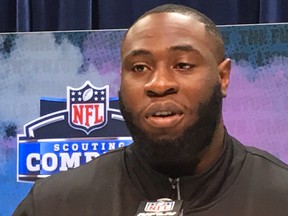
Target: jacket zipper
(175, 186)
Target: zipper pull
(174, 182)
(175, 186)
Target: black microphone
(161, 207)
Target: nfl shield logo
(159, 206)
(87, 107)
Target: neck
(203, 161)
(212, 152)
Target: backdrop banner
(59, 99)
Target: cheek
(197, 91)
(131, 94)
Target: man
(174, 76)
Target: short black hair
(210, 26)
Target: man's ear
(224, 69)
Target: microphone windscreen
(161, 207)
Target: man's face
(167, 52)
(168, 72)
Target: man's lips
(163, 114)
(164, 108)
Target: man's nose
(161, 83)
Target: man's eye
(139, 68)
(183, 66)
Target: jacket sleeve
(26, 207)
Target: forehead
(164, 30)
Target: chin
(169, 133)
(163, 134)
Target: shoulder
(267, 159)
(261, 185)
(259, 156)
(263, 178)
(266, 173)
(93, 172)
(88, 186)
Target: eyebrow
(139, 52)
(185, 48)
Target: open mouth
(163, 114)
(164, 119)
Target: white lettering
(29, 163)
(84, 146)
(111, 146)
(91, 155)
(56, 147)
(121, 144)
(75, 147)
(103, 146)
(68, 155)
(69, 162)
(65, 147)
(94, 146)
(49, 162)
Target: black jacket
(243, 182)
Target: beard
(177, 156)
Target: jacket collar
(198, 190)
